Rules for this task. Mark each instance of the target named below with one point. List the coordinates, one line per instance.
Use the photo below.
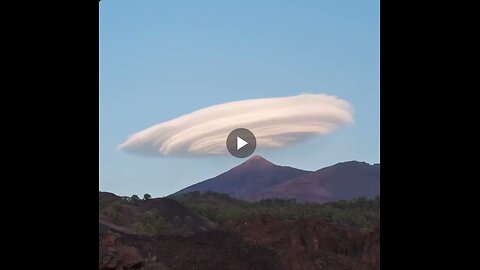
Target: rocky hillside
(148, 217)
(258, 242)
(261, 244)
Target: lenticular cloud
(276, 122)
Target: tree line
(361, 213)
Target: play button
(241, 143)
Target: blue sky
(163, 59)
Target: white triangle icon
(240, 143)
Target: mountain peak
(257, 160)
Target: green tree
(359, 212)
(150, 229)
(150, 216)
(117, 206)
(134, 199)
(138, 227)
(147, 196)
(115, 216)
(161, 225)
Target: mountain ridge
(258, 179)
(247, 179)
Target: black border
(53, 140)
(410, 198)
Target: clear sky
(162, 59)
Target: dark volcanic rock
(261, 244)
(114, 256)
(309, 244)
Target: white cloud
(276, 122)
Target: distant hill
(342, 181)
(258, 178)
(148, 217)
